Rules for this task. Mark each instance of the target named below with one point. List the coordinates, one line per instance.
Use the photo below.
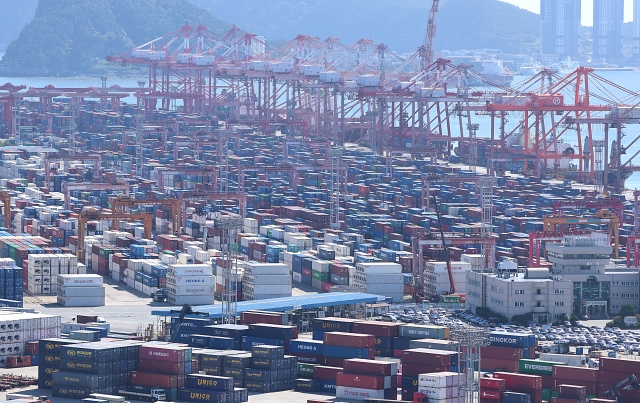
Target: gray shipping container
(81, 291)
(81, 301)
(78, 379)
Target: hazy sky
(587, 9)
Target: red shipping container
(619, 365)
(367, 367)
(414, 370)
(249, 318)
(386, 329)
(592, 387)
(162, 354)
(494, 364)
(520, 380)
(19, 362)
(32, 347)
(326, 373)
(349, 339)
(610, 377)
(426, 357)
(502, 353)
(493, 384)
(333, 361)
(306, 272)
(154, 380)
(163, 367)
(83, 319)
(360, 381)
(491, 395)
(547, 381)
(572, 391)
(629, 396)
(575, 373)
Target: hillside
(14, 16)
(68, 37)
(462, 24)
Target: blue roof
(282, 304)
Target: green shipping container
(305, 370)
(546, 394)
(424, 332)
(318, 275)
(450, 298)
(535, 367)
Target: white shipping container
(191, 280)
(80, 280)
(441, 267)
(372, 279)
(189, 270)
(379, 268)
(344, 392)
(321, 266)
(256, 297)
(265, 279)
(146, 290)
(440, 393)
(81, 291)
(266, 289)
(189, 290)
(190, 299)
(329, 77)
(81, 301)
(439, 380)
(255, 268)
(297, 277)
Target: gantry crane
(211, 172)
(6, 200)
(291, 169)
(120, 203)
(601, 217)
(120, 184)
(431, 34)
(208, 196)
(429, 239)
(96, 159)
(91, 214)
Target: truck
(107, 398)
(160, 295)
(156, 395)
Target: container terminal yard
(318, 222)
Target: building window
(558, 291)
(519, 304)
(559, 303)
(519, 292)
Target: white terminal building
(583, 281)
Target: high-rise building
(608, 17)
(636, 28)
(559, 27)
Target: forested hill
(68, 37)
(462, 24)
(14, 15)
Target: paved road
(126, 310)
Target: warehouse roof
(281, 304)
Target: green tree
(627, 310)
(68, 37)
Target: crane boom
(431, 34)
(452, 283)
